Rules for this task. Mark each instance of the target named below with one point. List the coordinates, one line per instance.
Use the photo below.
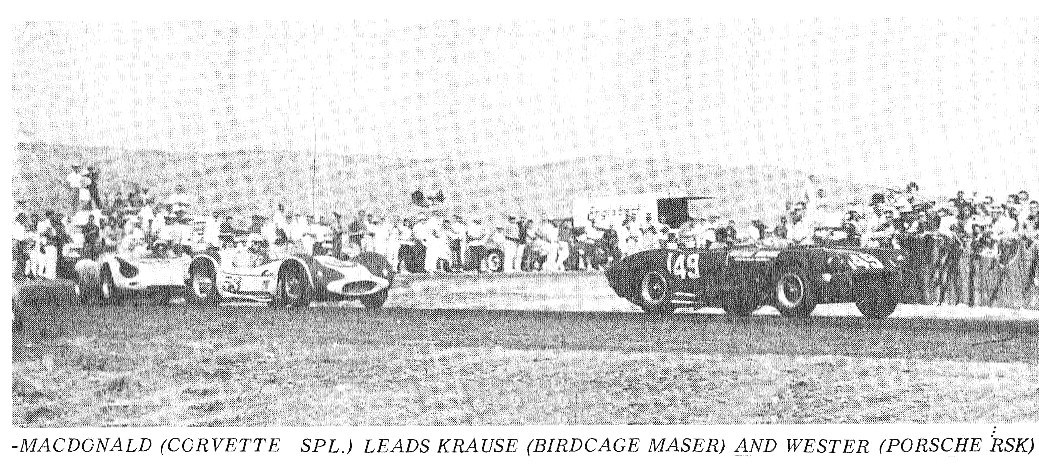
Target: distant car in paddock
(120, 276)
(295, 280)
(741, 279)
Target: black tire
(495, 261)
(375, 301)
(107, 293)
(794, 293)
(655, 294)
(201, 287)
(876, 301)
(293, 287)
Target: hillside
(257, 180)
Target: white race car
(294, 280)
(120, 276)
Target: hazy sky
(950, 102)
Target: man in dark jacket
(95, 196)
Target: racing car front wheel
(876, 301)
(201, 286)
(375, 301)
(794, 294)
(292, 287)
(655, 293)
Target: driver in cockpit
(257, 254)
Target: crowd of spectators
(951, 244)
(129, 219)
(935, 232)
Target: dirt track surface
(472, 364)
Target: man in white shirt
(548, 237)
(308, 234)
(74, 180)
(211, 230)
(498, 240)
(395, 235)
(147, 216)
(513, 249)
(84, 191)
(430, 234)
(380, 232)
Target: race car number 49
(684, 266)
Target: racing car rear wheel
(655, 293)
(794, 295)
(876, 301)
(292, 289)
(201, 287)
(107, 292)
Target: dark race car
(741, 279)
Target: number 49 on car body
(684, 265)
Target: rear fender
(624, 275)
